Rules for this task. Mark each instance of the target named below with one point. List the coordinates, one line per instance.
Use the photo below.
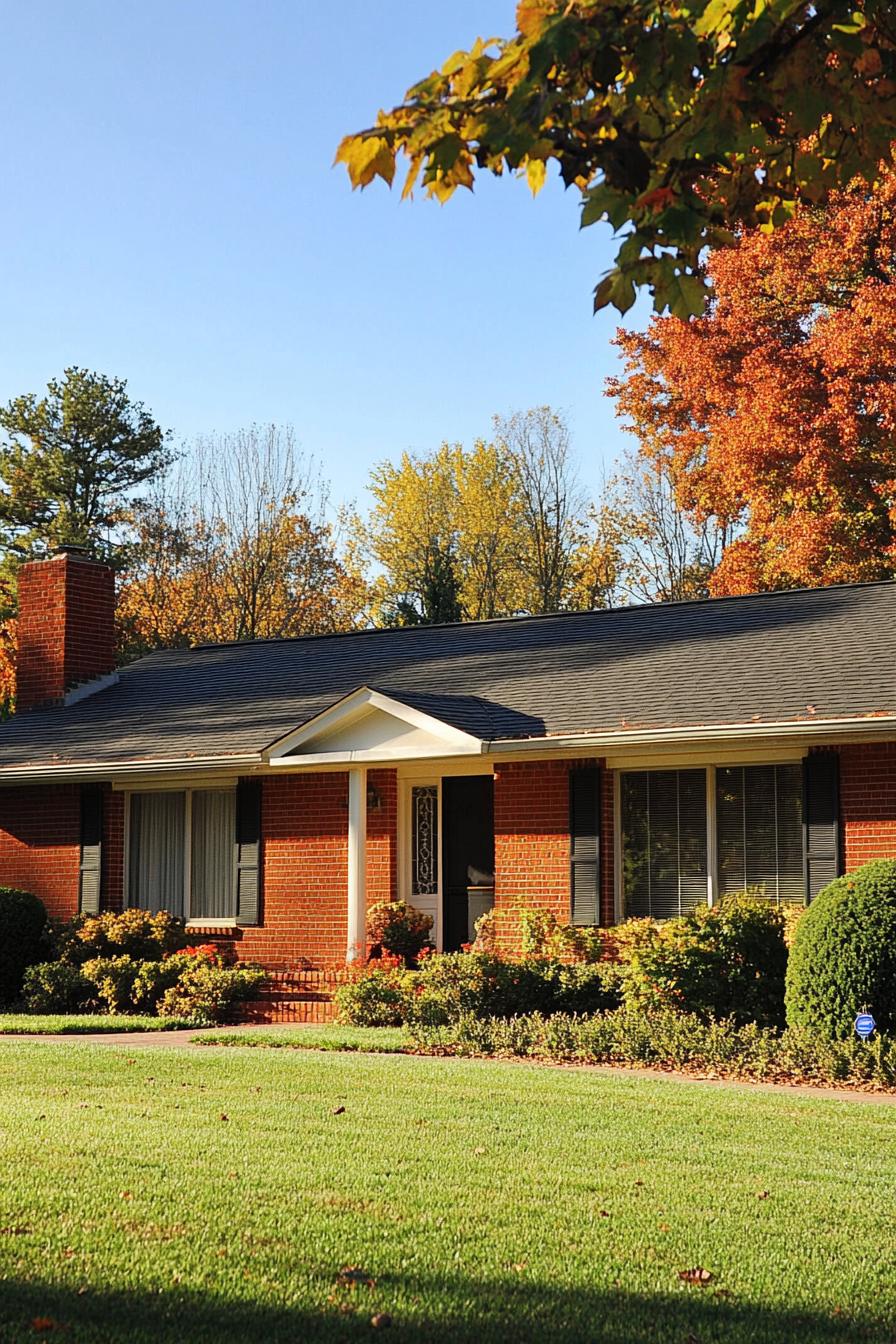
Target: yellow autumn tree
(492, 530)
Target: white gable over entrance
(368, 725)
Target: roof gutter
(694, 735)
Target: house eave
(697, 735)
(89, 771)
(610, 744)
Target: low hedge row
(672, 1040)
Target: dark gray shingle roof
(762, 659)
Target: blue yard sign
(865, 1024)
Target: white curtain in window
(156, 845)
(211, 865)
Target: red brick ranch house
(639, 761)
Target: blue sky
(172, 217)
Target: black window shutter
(247, 857)
(821, 820)
(91, 861)
(584, 846)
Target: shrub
(155, 978)
(55, 987)
(724, 961)
(843, 958)
(23, 921)
(398, 929)
(376, 994)
(112, 981)
(138, 934)
(207, 992)
(542, 936)
(450, 986)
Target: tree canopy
(72, 461)
(236, 546)
(775, 413)
(678, 123)
(491, 530)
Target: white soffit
(370, 726)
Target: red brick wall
(868, 803)
(66, 627)
(40, 831)
(532, 837)
(382, 846)
(305, 848)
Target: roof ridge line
(525, 617)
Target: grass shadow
(447, 1310)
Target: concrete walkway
(181, 1037)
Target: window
(424, 868)
(181, 853)
(760, 830)
(664, 858)
(425, 831)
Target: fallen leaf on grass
(381, 1321)
(42, 1325)
(339, 1110)
(14, 1231)
(696, 1275)
(224, 1117)
(762, 1194)
(351, 1275)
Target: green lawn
(80, 1024)
(378, 1040)
(180, 1196)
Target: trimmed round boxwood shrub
(843, 958)
(23, 921)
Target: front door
(468, 855)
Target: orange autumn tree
(236, 546)
(775, 412)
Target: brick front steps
(293, 997)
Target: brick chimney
(66, 626)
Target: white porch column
(357, 860)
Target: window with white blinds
(760, 830)
(664, 851)
(181, 852)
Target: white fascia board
(87, 772)
(446, 739)
(840, 730)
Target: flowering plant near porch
(399, 929)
